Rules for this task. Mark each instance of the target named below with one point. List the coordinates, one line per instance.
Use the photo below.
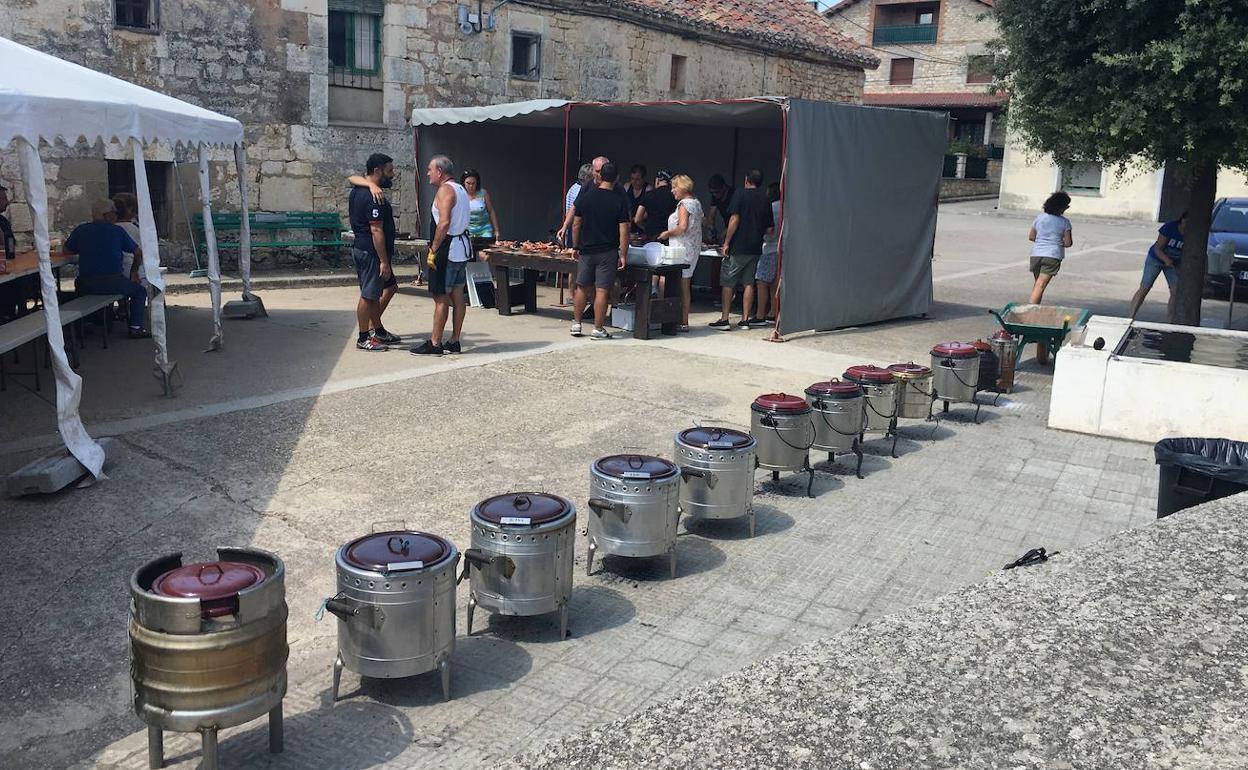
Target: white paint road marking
(1024, 263)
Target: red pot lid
(523, 508)
(643, 467)
(955, 350)
(715, 438)
(910, 369)
(981, 345)
(214, 583)
(868, 373)
(781, 402)
(1002, 335)
(397, 550)
(835, 388)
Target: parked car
(1230, 223)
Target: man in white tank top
(450, 249)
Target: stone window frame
(153, 16)
(534, 40)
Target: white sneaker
(600, 334)
(576, 330)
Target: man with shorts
(450, 249)
(749, 221)
(1163, 259)
(372, 221)
(600, 237)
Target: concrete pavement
(292, 440)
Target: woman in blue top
(1051, 235)
(1163, 257)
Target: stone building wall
(265, 62)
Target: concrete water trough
(1147, 381)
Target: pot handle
(709, 477)
(345, 608)
(599, 505)
(472, 556)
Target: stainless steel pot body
(879, 405)
(633, 517)
(784, 438)
(529, 568)
(838, 422)
(725, 488)
(192, 673)
(402, 623)
(1007, 353)
(954, 379)
(914, 396)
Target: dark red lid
(214, 583)
(523, 508)
(1002, 335)
(398, 550)
(868, 373)
(834, 388)
(955, 350)
(981, 345)
(715, 438)
(645, 467)
(781, 402)
(910, 369)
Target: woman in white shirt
(1051, 235)
(684, 228)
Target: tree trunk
(1204, 188)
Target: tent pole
(244, 234)
(210, 244)
(416, 182)
(151, 267)
(562, 208)
(784, 167)
(68, 383)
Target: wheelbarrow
(1045, 325)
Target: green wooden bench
(267, 227)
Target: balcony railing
(905, 33)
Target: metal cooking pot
(635, 504)
(785, 430)
(395, 606)
(208, 646)
(1006, 348)
(989, 366)
(520, 562)
(725, 488)
(956, 367)
(839, 414)
(914, 390)
(880, 387)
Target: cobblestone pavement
(959, 502)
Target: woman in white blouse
(684, 228)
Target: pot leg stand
(155, 748)
(810, 481)
(858, 451)
(563, 621)
(750, 515)
(975, 400)
(209, 742)
(277, 730)
(444, 670)
(671, 558)
(589, 557)
(472, 606)
(892, 428)
(337, 677)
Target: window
(136, 14)
(925, 17)
(901, 72)
(677, 84)
(979, 69)
(121, 179)
(1082, 177)
(354, 43)
(526, 56)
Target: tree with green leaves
(1134, 83)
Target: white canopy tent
(43, 98)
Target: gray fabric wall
(859, 214)
(521, 167)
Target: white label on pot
(636, 475)
(515, 520)
(719, 445)
(404, 565)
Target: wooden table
(664, 310)
(27, 263)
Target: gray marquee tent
(859, 185)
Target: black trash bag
(1198, 470)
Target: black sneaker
(759, 322)
(720, 324)
(743, 324)
(451, 347)
(386, 337)
(427, 348)
(369, 343)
